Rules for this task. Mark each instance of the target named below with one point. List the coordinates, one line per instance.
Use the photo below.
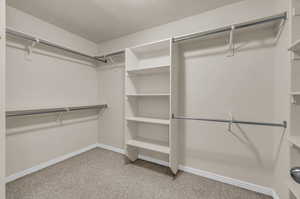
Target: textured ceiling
(102, 20)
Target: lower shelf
(149, 146)
(149, 120)
(294, 188)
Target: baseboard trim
(206, 174)
(111, 148)
(153, 160)
(228, 180)
(235, 182)
(47, 164)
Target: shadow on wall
(243, 147)
(26, 124)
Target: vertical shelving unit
(150, 100)
(294, 134)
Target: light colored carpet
(102, 174)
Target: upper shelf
(295, 47)
(151, 48)
(149, 70)
(149, 56)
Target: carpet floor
(102, 174)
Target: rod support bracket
(231, 122)
(231, 42)
(285, 124)
(279, 31)
(59, 118)
(31, 47)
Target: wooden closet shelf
(149, 70)
(149, 146)
(148, 95)
(149, 120)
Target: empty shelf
(149, 70)
(148, 95)
(295, 46)
(149, 146)
(294, 188)
(295, 140)
(149, 120)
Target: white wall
(211, 86)
(47, 78)
(282, 103)
(111, 87)
(2, 98)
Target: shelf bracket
(59, 118)
(31, 47)
(231, 42)
(279, 32)
(230, 123)
(111, 59)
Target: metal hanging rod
(283, 124)
(111, 54)
(282, 16)
(52, 110)
(25, 36)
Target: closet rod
(283, 124)
(52, 110)
(282, 16)
(15, 33)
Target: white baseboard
(47, 164)
(235, 182)
(122, 151)
(206, 174)
(156, 161)
(228, 180)
(111, 148)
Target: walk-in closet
(105, 99)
